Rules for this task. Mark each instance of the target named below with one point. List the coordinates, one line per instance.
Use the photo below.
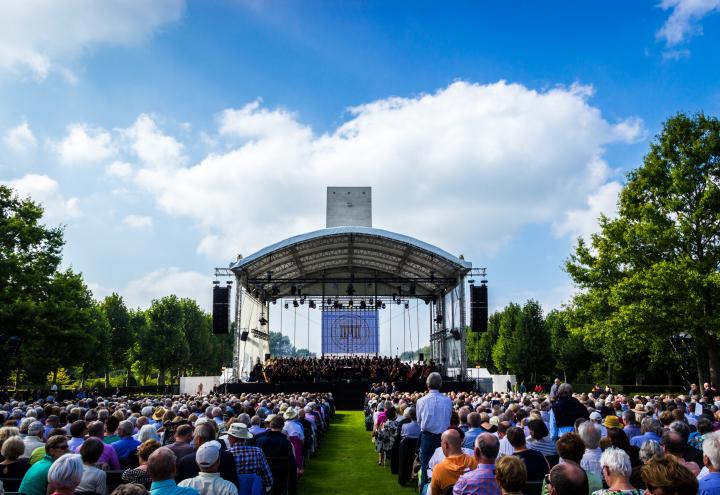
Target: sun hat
(239, 430)
(290, 413)
(612, 421)
(159, 413)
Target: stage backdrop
(350, 332)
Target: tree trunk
(54, 380)
(161, 377)
(712, 353)
(107, 379)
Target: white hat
(207, 454)
(595, 416)
(239, 430)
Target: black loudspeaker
(456, 334)
(267, 356)
(478, 308)
(221, 310)
(421, 357)
(244, 335)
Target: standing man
(554, 389)
(433, 415)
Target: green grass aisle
(347, 463)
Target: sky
(168, 137)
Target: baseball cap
(207, 454)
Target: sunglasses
(62, 447)
(547, 479)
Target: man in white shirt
(33, 439)
(208, 481)
(433, 415)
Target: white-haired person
(148, 432)
(590, 434)
(616, 469)
(65, 474)
(710, 483)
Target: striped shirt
(251, 460)
(480, 481)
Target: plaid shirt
(480, 481)
(251, 460)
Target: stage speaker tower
(221, 310)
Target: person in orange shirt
(456, 463)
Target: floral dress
(386, 436)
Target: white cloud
(166, 281)
(38, 36)
(684, 19)
(468, 165)
(46, 191)
(84, 145)
(154, 148)
(20, 139)
(119, 170)
(583, 222)
(138, 222)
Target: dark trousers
(427, 445)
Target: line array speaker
(221, 310)
(478, 308)
(244, 335)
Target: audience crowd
(214, 444)
(372, 368)
(556, 443)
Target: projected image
(350, 332)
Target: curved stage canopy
(360, 261)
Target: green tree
(652, 273)
(197, 327)
(567, 349)
(122, 336)
(165, 340)
(505, 345)
(480, 345)
(97, 351)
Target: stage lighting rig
(263, 321)
(295, 303)
(311, 304)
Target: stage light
(295, 303)
(379, 304)
(350, 303)
(398, 301)
(438, 319)
(336, 305)
(216, 282)
(302, 300)
(286, 305)
(363, 305)
(383, 305)
(274, 301)
(263, 321)
(329, 301)
(407, 305)
(311, 304)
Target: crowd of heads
(151, 437)
(662, 443)
(372, 368)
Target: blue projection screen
(350, 332)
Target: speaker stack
(221, 310)
(479, 308)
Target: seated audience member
(511, 475)
(539, 438)
(130, 489)
(13, 465)
(256, 427)
(140, 474)
(473, 430)
(710, 483)
(505, 447)
(673, 445)
(34, 438)
(65, 474)
(208, 480)
(632, 428)
(109, 456)
(161, 467)
(616, 471)
(35, 481)
(535, 463)
(668, 477)
(385, 434)
(181, 446)
(619, 440)
(447, 472)
(78, 430)
(571, 449)
(274, 443)
(567, 479)
(590, 435)
(127, 445)
(411, 429)
(689, 453)
(650, 429)
(111, 426)
(187, 466)
(148, 432)
(248, 459)
(93, 480)
(481, 480)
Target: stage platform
(348, 395)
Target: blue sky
(170, 136)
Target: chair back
(406, 456)
(11, 484)
(113, 479)
(533, 487)
(282, 469)
(448, 490)
(552, 460)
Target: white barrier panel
(194, 385)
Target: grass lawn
(347, 463)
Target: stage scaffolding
(365, 265)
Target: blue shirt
(125, 447)
(555, 431)
(433, 412)
(632, 431)
(169, 487)
(709, 485)
(470, 436)
(640, 439)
